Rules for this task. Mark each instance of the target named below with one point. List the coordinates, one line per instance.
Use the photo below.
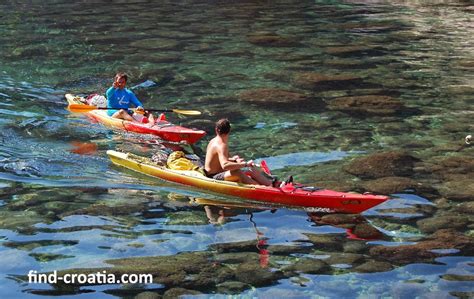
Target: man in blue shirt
(120, 97)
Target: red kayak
(162, 128)
(295, 195)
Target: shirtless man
(219, 166)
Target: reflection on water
(98, 227)
(308, 86)
(303, 159)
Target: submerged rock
(156, 44)
(47, 257)
(270, 39)
(328, 242)
(244, 246)
(20, 220)
(232, 287)
(423, 250)
(340, 219)
(391, 185)
(344, 258)
(367, 232)
(378, 165)
(236, 258)
(271, 96)
(465, 208)
(253, 274)
(30, 245)
(318, 82)
(413, 211)
(431, 225)
(43, 200)
(158, 57)
(309, 266)
(285, 250)
(7, 189)
(458, 277)
(101, 209)
(459, 190)
(367, 105)
(373, 267)
(181, 270)
(352, 50)
(35, 50)
(148, 295)
(187, 218)
(444, 168)
(356, 225)
(191, 271)
(178, 292)
(355, 246)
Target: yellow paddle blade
(80, 108)
(187, 112)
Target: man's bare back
(218, 165)
(214, 148)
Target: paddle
(80, 108)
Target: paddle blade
(187, 112)
(80, 108)
(264, 166)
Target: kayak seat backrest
(160, 158)
(195, 159)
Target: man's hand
(237, 159)
(250, 163)
(140, 110)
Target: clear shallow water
(63, 210)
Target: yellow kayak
(295, 195)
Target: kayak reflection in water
(220, 166)
(84, 148)
(122, 98)
(215, 215)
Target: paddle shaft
(150, 110)
(87, 108)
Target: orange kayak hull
(163, 129)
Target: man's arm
(134, 99)
(226, 163)
(109, 95)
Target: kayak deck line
(290, 196)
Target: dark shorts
(220, 176)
